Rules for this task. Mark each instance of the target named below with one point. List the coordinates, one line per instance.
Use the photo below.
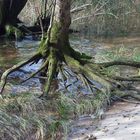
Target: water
(110, 49)
(103, 50)
(11, 53)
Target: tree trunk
(9, 10)
(56, 52)
(59, 34)
(55, 47)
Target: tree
(56, 52)
(9, 10)
(9, 22)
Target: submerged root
(87, 72)
(82, 67)
(15, 68)
(50, 64)
(38, 71)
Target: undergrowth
(26, 117)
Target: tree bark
(9, 10)
(55, 50)
(62, 20)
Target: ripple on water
(12, 52)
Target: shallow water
(110, 49)
(11, 53)
(103, 50)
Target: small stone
(92, 137)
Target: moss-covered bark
(9, 10)
(55, 50)
(55, 47)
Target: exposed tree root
(126, 100)
(51, 70)
(131, 79)
(86, 71)
(34, 59)
(124, 94)
(125, 63)
(38, 71)
(55, 51)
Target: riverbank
(121, 122)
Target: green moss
(43, 47)
(51, 69)
(13, 31)
(55, 32)
(74, 64)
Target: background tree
(9, 10)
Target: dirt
(121, 122)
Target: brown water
(103, 50)
(11, 53)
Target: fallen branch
(94, 15)
(80, 8)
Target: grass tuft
(27, 117)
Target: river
(102, 49)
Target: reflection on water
(12, 52)
(8, 53)
(109, 49)
(103, 50)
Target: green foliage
(13, 31)
(55, 31)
